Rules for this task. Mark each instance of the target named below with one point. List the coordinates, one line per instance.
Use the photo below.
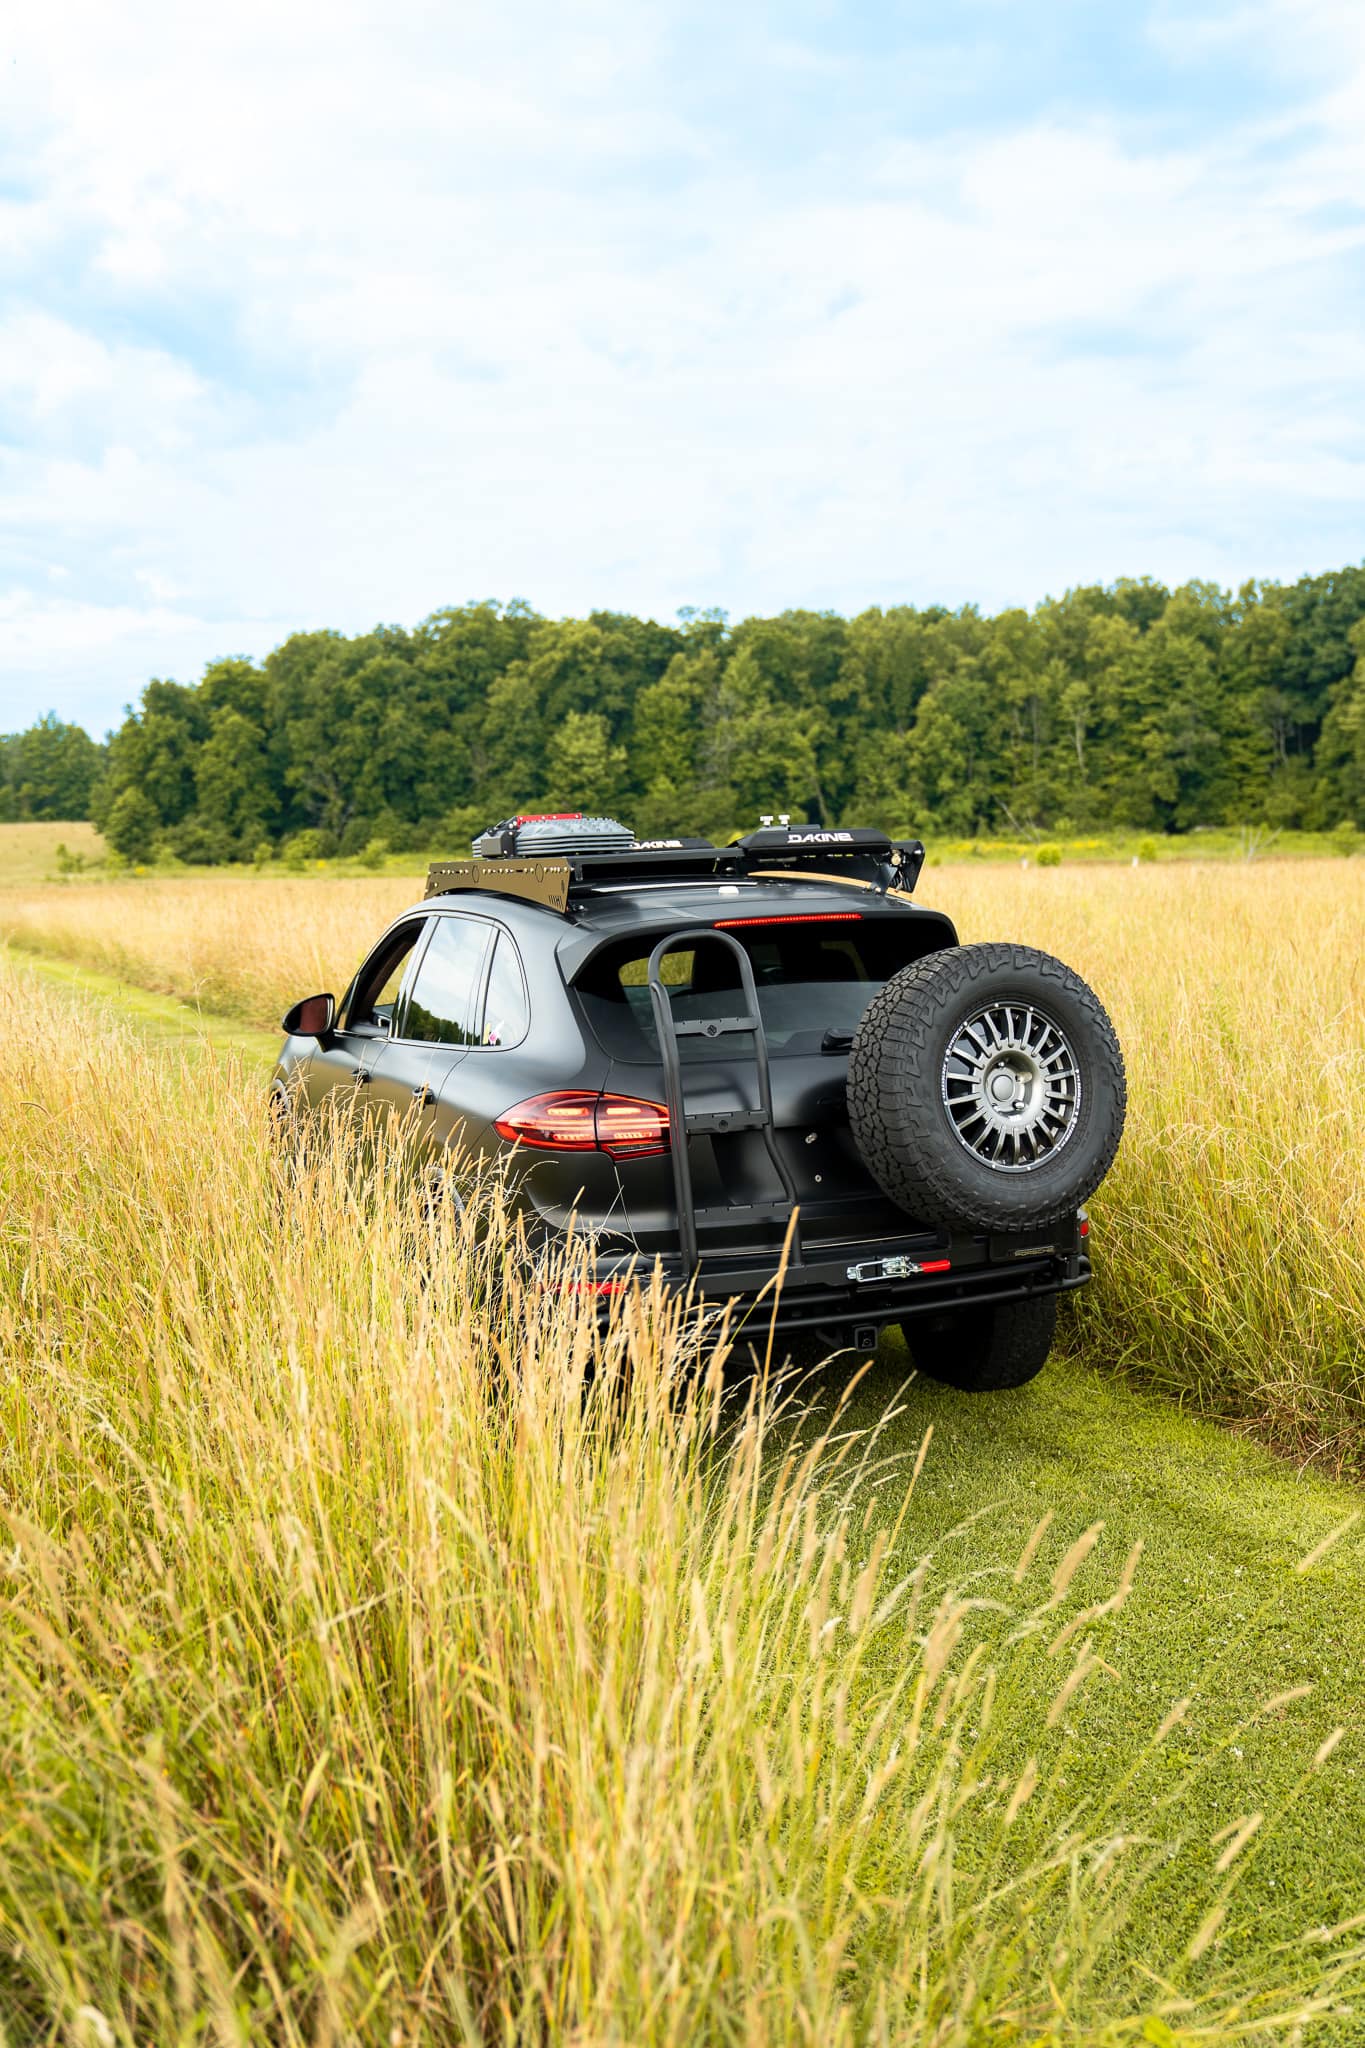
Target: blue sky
(330, 314)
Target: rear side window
(442, 1008)
(506, 1016)
(813, 980)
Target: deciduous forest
(1126, 705)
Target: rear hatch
(815, 973)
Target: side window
(506, 1014)
(441, 1008)
(375, 1000)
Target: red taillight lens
(1085, 1226)
(564, 1122)
(629, 1129)
(572, 1120)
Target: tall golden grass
(1230, 1238)
(240, 945)
(388, 1656)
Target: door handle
(362, 1076)
(423, 1096)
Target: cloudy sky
(324, 314)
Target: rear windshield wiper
(836, 1041)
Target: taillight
(573, 1120)
(629, 1129)
(565, 1122)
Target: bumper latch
(897, 1267)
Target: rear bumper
(822, 1293)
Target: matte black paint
(454, 1094)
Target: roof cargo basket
(545, 857)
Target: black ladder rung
(703, 1120)
(714, 1027)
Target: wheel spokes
(1011, 1086)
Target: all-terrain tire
(986, 1349)
(901, 1072)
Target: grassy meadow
(29, 852)
(1231, 1235)
(387, 1657)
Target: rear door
(438, 1022)
(814, 978)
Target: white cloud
(330, 314)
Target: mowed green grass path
(1218, 1612)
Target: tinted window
(379, 980)
(811, 980)
(505, 1014)
(442, 1004)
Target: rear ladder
(684, 1124)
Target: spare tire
(986, 1087)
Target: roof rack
(547, 858)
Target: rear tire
(984, 1350)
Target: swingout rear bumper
(860, 1286)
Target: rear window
(814, 981)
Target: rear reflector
(574, 1120)
(732, 924)
(1085, 1226)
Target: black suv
(708, 1055)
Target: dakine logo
(820, 838)
(653, 845)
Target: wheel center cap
(1002, 1086)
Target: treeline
(1130, 705)
(50, 771)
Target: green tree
(50, 770)
(232, 788)
(1342, 748)
(132, 824)
(588, 769)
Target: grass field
(1231, 1235)
(28, 853)
(371, 1670)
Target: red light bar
(547, 817)
(731, 924)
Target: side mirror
(312, 1018)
